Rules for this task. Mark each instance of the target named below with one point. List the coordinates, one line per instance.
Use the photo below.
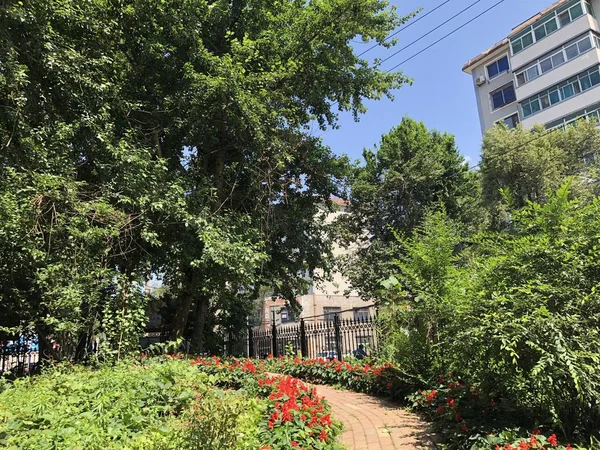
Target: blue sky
(442, 95)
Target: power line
(446, 36)
(402, 29)
(431, 31)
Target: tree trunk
(200, 324)
(184, 304)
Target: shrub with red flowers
(384, 379)
(294, 417)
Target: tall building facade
(547, 71)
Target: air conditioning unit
(480, 80)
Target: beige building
(323, 300)
(546, 71)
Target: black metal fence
(18, 358)
(327, 336)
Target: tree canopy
(169, 137)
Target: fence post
(250, 343)
(303, 343)
(338, 338)
(274, 337)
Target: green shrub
(158, 404)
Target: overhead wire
(445, 36)
(407, 26)
(431, 31)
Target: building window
(329, 312)
(589, 113)
(497, 67)
(503, 96)
(510, 121)
(561, 92)
(361, 314)
(555, 20)
(286, 315)
(547, 63)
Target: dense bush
(137, 406)
(515, 314)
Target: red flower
(533, 441)
(451, 402)
(294, 444)
(553, 441)
(464, 427)
(523, 445)
(536, 432)
(569, 447)
(323, 435)
(271, 424)
(431, 396)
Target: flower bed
(294, 417)
(466, 420)
(384, 379)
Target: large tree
(169, 137)
(411, 171)
(520, 165)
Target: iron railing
(325, 336)
(18, 358)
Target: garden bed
(164, 403)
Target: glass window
(584, 45)
(497, 99)
(532, 73)
(521, 78)
(540, 33)
(512, 121)
(527, 109)
(554, 97)
(568, 91)
(572, 51)
(595, 78)
(546, 65)
(497, 67)
(503, 96)
(564, 18)
(361, 314)
(509, 94)
(503, 64)
(558, 59)
(586, 83)
(330, 311)
(576, 87)
(517, 46)
(551, 26)
(576, 11)
(535, 105)
(527, 40)
(545, 101)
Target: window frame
(550, 56)
(569, 88)
(517, 43)
(497, 64)
(502, 89)
(503, 120)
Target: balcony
(568, 32)
(562, 72)
(564, 108)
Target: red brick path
(371, 423)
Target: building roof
(338, 201)
(514, 31)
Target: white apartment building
(547, 71)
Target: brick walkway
(371, 423)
